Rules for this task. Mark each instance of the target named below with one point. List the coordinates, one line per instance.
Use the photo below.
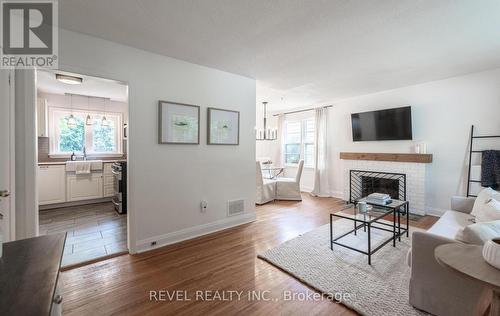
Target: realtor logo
(29, 34)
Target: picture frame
(178, 123)
(223, 127)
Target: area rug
(379, 289)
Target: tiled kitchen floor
(93, 231)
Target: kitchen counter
(48, 163)
(29, 271)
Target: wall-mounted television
(391, 124)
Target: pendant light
(266, 133)
(71, 119)
(88, 121)
(104, 121)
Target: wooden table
(467, 261)
(29, 271)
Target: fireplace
(371, 185)
(364, 183)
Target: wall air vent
(235, 207)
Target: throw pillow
(479, 233)
(484, 197)
(489, 212)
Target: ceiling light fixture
(104, 121)
(266, 133)
(71, 119)
(69, 79)
(88, 121)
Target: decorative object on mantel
(399, 157)
(491, 252)
(266, 133)
(420, 148)
(178, 123)
(223, 127)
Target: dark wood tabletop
(29, 270)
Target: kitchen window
(97, 139)
(299, 142)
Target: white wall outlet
(204, 206)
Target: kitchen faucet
(84, 153)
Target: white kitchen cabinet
(51, 184)
(42, 118)
(84, 187)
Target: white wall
(168, 182)
(443, 112)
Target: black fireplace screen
(363, 183)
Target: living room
(285, 157)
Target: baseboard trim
(334, 194)
(193, 232)
(433, 211)
(306, 189)
(337, 194)
(74, 203)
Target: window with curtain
(97, 139)
(299, 142)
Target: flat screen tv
(391, 124)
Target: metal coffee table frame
(397, 230)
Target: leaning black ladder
(472, 151)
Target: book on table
(379, 198)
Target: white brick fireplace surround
(415, 178)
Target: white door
(6, 153)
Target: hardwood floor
(223, 261)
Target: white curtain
(321, 183)
(279, 159)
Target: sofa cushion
(479, 233)
(483, 198)
(488, 212)
(450, 223)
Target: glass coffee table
(367, 222)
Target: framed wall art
(223, 127)
(178, 123)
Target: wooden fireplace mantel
(417, 158)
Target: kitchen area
(82, 164)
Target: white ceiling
(91, 86)
(306, 52)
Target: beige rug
(379, 289)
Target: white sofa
(433, 288)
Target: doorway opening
(82, 124)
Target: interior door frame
(12, 136)
(131, 234)
(10, 214)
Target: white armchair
(289, 188)
(266, 189)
